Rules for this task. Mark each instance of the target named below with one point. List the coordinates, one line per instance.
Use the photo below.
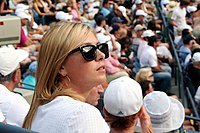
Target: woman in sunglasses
(70, 63)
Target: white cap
(191, 9)
(141, 13)
(89, 1)
(138, 2)
(63, 16)
(23, 15)
(123, 97)
(166, 113)
(186, 26)
(164, 1)
(22, 6)
(197, 95)
(139, 27)
(10, 59)
(103, 38)
(196, 57)
(122, 9)
(148, 33)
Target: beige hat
(171, 6)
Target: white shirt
(178, 16)
(142, 45)
(2, 118)
(13, 106)
(66, 115)
(149, 57)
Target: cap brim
(21, 54)
(176, 119)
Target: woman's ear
(62, 71)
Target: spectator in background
(29, 80)
(179, 15)
(94, 95)
(188, 41)
(145, 78)
(123, 106)
(63, 87)
(4, 8)
(166, 113)
(13, 106)
(161, 71)
(194, 70)
(105, 9)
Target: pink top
(112, 65)
(22, 39)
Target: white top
(66, 115)
(13, 106)
(2, 118)
(149, 57)
(142, 45)
(178, 16)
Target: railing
(178, 69)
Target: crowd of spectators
(137, 51)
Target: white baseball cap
(148, 33)
(191, 9)
(123, 97)
(139, 27)
(138, 2)
(122, 9)
(141, 13)
(63, 16)
(23, 15)
(10, 59)
(196, 57)
(166, 113)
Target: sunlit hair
(120, 123)
(56, 44)
(143, 74)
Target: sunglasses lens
(88, 52)
(104, 49)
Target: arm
(145, 121)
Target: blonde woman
(144, 74)
(70, 64)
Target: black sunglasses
(89, 51)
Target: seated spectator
(13, 106)
(194, 70)
(144, 74)
(94, 95)
(114, 69)
(166, 113)
(29, 80)
(161, 71)
(123, 106)
(185, 50)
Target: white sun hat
(166, 113)
(123, 97)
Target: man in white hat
(13, 106)
(123, 105)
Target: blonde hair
(56, 44)
(143, 74)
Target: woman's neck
(128, 130)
